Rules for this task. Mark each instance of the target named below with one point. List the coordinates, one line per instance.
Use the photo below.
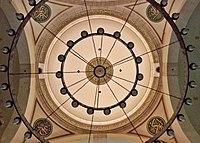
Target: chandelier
(100, 64)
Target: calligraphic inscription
(43, 127)
(42, 14)
(154, 14)
(155, 125)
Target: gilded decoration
(43, 127)
(153, 14)
(101, 73)
(42, 14)
(155, 125)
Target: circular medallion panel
(153, 14)
(100, 69)
(42, 14)
(155, 125)
(43, 127)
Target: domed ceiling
(99, 71)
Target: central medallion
(99, 71)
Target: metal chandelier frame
(170, 20)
